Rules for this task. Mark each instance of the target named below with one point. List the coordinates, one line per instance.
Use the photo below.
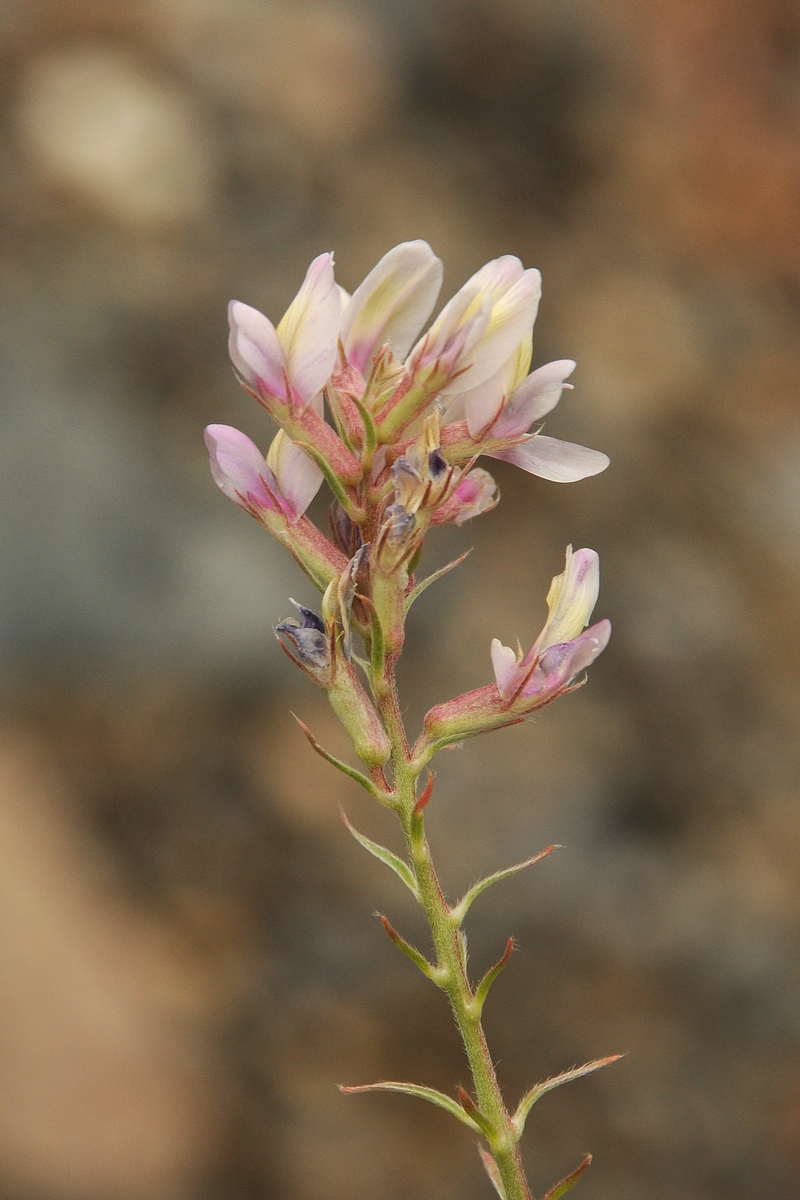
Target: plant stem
(450, 952)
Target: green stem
(449, 947)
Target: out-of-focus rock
(637, 343)
(103, 1087)
(319, 71)
(102, 127)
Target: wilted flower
(309, 640)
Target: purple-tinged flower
(293, 362)
(474, 494)
(392, 304)
(562, 650)
(479, 330)
(507, 436)
(285, 482)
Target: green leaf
(538, 1090)
(400, 868)
(422, 1093)
(462, 908)
(568, 1182)
(419, 960)
(416, 592)
(344, 767)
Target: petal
(255, 349)
(309, 329)
(534, 398)
(571, 598)
(512, 316)
(298, 476)
(238, 466)
(549, 458)
(482, 404)
(562, 662)
(392, 304)
(477, 493)
(506, 669)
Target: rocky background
(188, 960)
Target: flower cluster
(394, 420)
(408, 415)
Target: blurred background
(188, 958)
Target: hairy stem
(450, 952)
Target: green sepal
(548, 1085)
(377, 793)
(400, 868)
(422, 1093)
(377, 646)
(460, 910)
(568, 1182)
(417, 591)
(370, 432)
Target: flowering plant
(408, 420)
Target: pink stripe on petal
(550, 458)
(512, 316)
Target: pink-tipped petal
(506, 668)
(298, 476)
(392, 304)
(238, 467)
(309, 329)
(255, 349)
(535, 397)
(549, 458)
